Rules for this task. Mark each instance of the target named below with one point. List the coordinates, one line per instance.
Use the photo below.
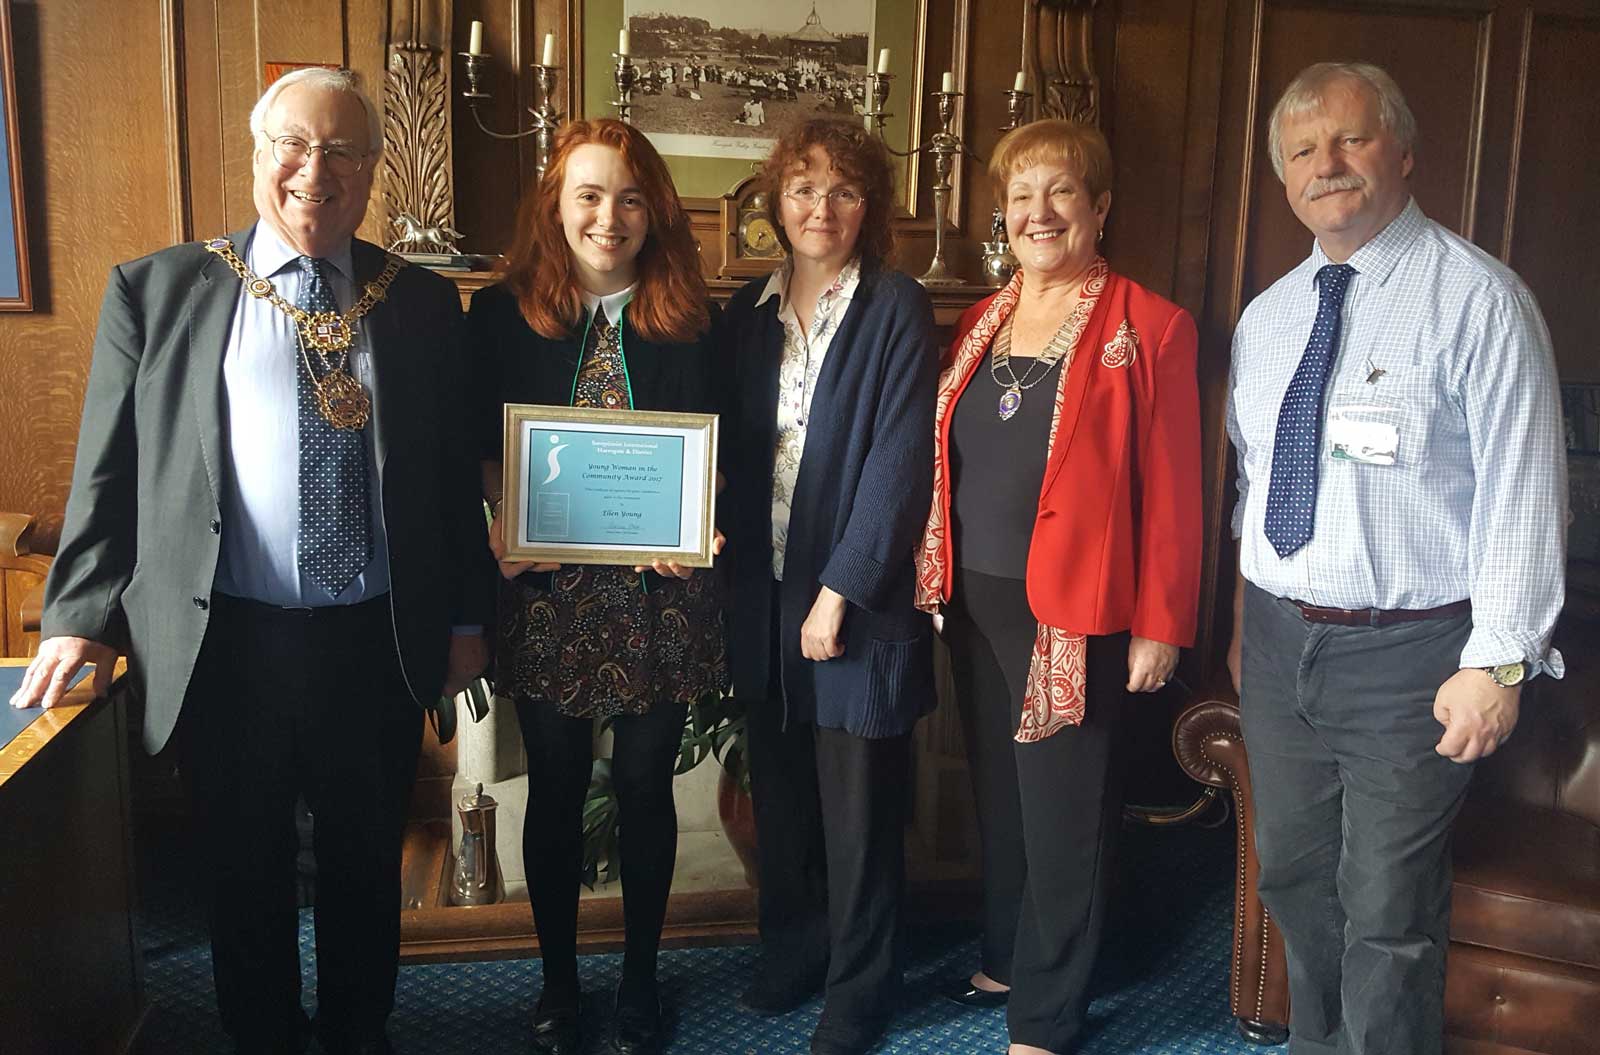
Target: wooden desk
(71, 979)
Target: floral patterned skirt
(596, 642)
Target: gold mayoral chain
(341, 400)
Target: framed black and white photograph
(717, 82)
(16, 289)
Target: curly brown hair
(670, 304)
(858, 155)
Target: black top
(997, 469)
(516, 365)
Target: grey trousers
(1353, 815)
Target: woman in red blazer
(1063, 551)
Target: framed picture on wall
(16, 288)
(717, 83)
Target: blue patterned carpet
(1161, 986)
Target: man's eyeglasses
(843, 199)
(292, 152)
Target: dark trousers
(1353, 815)
(282, 704)
(1066, 795)
(830, 813)
(560, 759)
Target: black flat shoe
(968, 995)
(636, 1030)
(555, 1032)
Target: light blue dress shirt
(1446, 345)
(261, 497)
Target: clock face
(758, 237)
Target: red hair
(669, 303)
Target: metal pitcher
(477, 879)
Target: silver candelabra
(944, 145)
(546, 118)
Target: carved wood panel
(418, 176)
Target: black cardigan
(516, 365)
(860, 504)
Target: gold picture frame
(623, 487)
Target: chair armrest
(1209, 745)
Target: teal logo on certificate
(609, 487)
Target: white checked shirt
(1443, 341)
(798, 370)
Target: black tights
(560, 757)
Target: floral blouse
(803, 355)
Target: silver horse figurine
(416, 238)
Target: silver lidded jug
(477, 879)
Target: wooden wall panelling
(1160, 78)
(1552, 227)
(97, 176)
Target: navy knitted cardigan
(860, 503)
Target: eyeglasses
(842, 199)
(292, 152)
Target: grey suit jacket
(144, 526)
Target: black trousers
(1047, 811)
(1353, 816)
(560, 759)
(284, 703)
(831, 811)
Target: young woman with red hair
(600, 304)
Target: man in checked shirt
(1401, 525)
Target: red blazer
(1116, 545)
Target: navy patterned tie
(335, 510)
(1292, 495)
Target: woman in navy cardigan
(828, 453)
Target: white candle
(549, 50)
(475, 45)
(949, 82)
(1022, 81)
(883, 60)
(622, 42)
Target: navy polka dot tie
(1292, 495)
(335, 513)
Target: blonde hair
(1054, 139)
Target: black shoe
(637, 1029)
(555, 1031)
(969, 995)
(776, 991)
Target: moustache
(1318, 188)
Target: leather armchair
(1524, 962)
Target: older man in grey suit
(274, 517)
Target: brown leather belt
(1380, 616)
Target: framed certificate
(586, 486)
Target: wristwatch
(1508, 674)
